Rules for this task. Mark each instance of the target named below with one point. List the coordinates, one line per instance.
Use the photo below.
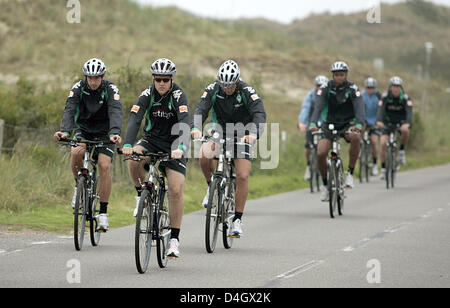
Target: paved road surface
(400, 238)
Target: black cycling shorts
(107, 150)
(178, 165)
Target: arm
(137, 113)
(258, 114)
(319, 105)
(182, 128)
(409, 111)
(359, 109)
(202, 109)
(306, 107)
(380, 113)
(115, 111)
(72, 105)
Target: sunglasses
(159, 80)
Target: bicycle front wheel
(229, 210)
(341, 187)
(79, 214)
(212, 215)
(388, 166)
(163, 230)
(333, 187)
(94, 211)
(144, 232)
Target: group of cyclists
(93, 111)
(340, 102)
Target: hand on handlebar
(60, 136)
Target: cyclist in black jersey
(237, 112)
(94, 111)
(164, 106)
(339, 103)
(395, 107)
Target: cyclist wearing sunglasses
(233, 103)
(340, 103)
(94, 111)
(165, 108)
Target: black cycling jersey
(395, 110)
(162, 114)
(96, 112)
(339, 105)
(244, 106)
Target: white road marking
(40, 243)
(300, 269)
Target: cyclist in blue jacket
(305, 115)
(371, 97)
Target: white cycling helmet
(339, 67)
(228, 74)
(94, 67)
(321, 80)
(370, 83)
(163, 67)
(396, 81)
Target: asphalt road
(396, 238)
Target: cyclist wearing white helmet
(395, 107)
(234, 102)
(339, 102)
(371, 97)
(94, 111)
(164, 106)
(305, 115)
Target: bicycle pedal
(101, 231)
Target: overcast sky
(283, 11)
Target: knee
(104, 167)
(242, 177)
(176, 193)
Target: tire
(312, 170)
(367, 155)
(341, 193)
(163, 230)
(94, 210)
(144, 232)
(362, 162)
(393, 168)
(388, 167)
(79, 214)
(332, 187)
(230, 209)
(212, 215)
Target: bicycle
(392, 163)
(153, 219)
(221, 204)
(364, 157)
(87, 199)
(335, 173)
(313, 169)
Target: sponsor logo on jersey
(183, 109)
(135, 109)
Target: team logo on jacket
(135, 109)
(183, 109)
(162, 114)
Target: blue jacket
(307, 107)
(371, 102)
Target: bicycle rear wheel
(332, 187)
(229, 209)
(362, 162)
(79, 214)
(212, 215)
(163, 230)
(144, 232)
